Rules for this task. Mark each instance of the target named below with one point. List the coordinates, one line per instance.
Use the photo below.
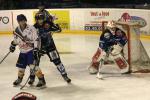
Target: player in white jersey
(25, 36)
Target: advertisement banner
(5, 21)
(93, 19)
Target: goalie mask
(111, 26)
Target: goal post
(134, 51)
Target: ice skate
(66, 78)
(32, 79)
(41, 84)
(99, 76)
(17, 82)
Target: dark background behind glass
(33, 4)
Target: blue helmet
(21, 17)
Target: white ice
(76, 52)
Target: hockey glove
(12, 47)
(36, 54)
(58, 28)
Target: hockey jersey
(117, 37)
(45, 32)
(26, 39)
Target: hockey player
(45, 29)
(25, 36)
(111, 42)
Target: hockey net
(134, 51)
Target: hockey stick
(32, 72)
(99, 75)
(5, 57)
(22, 38)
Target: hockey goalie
(111, 43)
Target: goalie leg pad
(121, 62)
(96, 55)
(93, 68)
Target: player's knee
(57, 61)
(33, 67)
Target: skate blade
(31, 85)
(99, 76)
(17, 85)
(39, 88)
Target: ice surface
(76, 60)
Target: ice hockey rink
(76, 52)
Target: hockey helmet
(21, 17)
(39, 16)
(111, 24)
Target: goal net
(134, 51)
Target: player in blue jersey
(112, 40)
(45, 29)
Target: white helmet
(111, 24)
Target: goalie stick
(99, 76)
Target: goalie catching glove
(116, 49)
